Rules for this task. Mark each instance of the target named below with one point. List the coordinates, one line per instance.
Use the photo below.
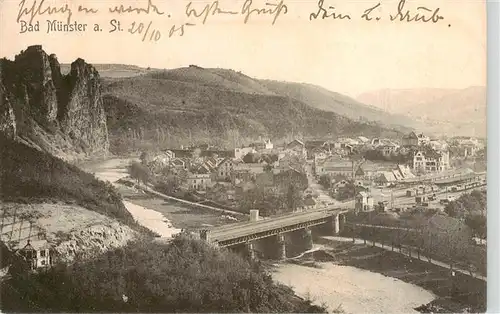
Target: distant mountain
(321, 98)
(461, 111)
(227, 107)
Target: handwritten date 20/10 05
(147, 31)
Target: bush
(184, 276)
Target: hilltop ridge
(228, 107)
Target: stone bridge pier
(337, 223)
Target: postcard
(268, 156)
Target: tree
(268, 168)
(144, 157)
(477, 223)
(196, 153)
(474, 202)
(250, 158)
(293, 197)
(139, 172)
(326, 181)
(168, 186)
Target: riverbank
(454, 294)
(161, 216)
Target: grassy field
(455, 294)
(182, 217)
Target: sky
(350, 56)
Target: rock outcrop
(7, 118)
(62, 114)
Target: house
(363, 202)
(38, 254)
(198, 181)
(397, 175)
(254, 168)
(317, 153)
(431, 161)
(469, 146)
(385, 177)
(314, 144)
(224, 170)
(239, 153)
(268, 145)
(243, 172)
(296, 147)
(334, 165)
(410, 139)
(178, 163)
(405, 172)
(308, 192)
(388, 149)
(363, 140)
(422, 139)
(309, 203)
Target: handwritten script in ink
(69, 16)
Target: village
(310, 174)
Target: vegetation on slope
(223, 108)
(28, 175)
(472, 207)
(184, 276)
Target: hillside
(460, 111)
(220, 106)
(42, 194)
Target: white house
(199, 181)
(224, 169)
(363, 202)
(269, 144)
(38, 253)
(436, 161)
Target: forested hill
(228, 107)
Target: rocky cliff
(61, 114)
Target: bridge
(278, 229)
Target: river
(113, 170)
(355, 290)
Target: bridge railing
(274, 218)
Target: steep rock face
(82, 116)
(52, 110)
(7, 118)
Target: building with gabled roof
(37, 253)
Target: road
(323, 199)
(244, 229)
(414, 256)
